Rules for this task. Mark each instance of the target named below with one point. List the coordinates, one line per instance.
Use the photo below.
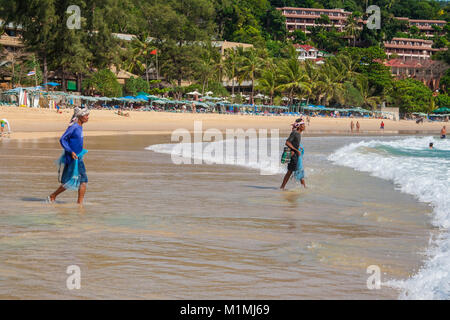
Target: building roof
(314, 9)
(413, 40)
(305, 47)
(400, 63)
(418, 20)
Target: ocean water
(425, 173)
(154, 229)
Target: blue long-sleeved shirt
(72, 141)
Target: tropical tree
(139, 55)
(251, 66)
(232, 60)
(352, 28)
(268, 82)
(293, 78)
(368, 97)
(330, 85)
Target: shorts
(292, 166)
(3, 125)
(443, 136)
(81, 172)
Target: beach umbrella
(442, 110)
(194, 93)
(53, 84)
(209, 93)
(142, 97)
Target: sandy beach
(29, 123)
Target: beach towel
(74, 182)
(299, 173)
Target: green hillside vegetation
(183, 33)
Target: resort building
(429, 72)
(410, 49)
(302, 18)
(307, 52)
(425, 26)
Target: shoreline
(318, 133)
(29, 123)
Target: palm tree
(346, 65)
(232, 59)
(293, 78)
(312, 71)
(367, 93)
(330, 85)
(139, 55)
(206, 68)
(251, 66)
(352, 28)
(268, 83)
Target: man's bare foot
(51, 199)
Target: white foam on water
(249, 157)
(421, 172)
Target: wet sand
(154, 230)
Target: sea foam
(417, 170)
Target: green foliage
(134, 85)
(445, 81)
(412, 96)
(442, 100)
(103, 82)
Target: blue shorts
(81, 171)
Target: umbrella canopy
(53, 84)
(142, 97)
(209, 93)
(194, 93)
(442, 110)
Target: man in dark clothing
(293, 142)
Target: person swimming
(431, 145)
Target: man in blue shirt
(72, 142)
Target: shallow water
(151, 229)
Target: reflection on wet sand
(150, 229)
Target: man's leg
(81, 193)
(303, 182)
(58, 191)
(286, 179)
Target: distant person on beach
(293, 142)
(352, 126)
(3, 123)
(443, 132)
(382, 125)
(357, 126)
(431, 145)
(72, 143)
(308, 120)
